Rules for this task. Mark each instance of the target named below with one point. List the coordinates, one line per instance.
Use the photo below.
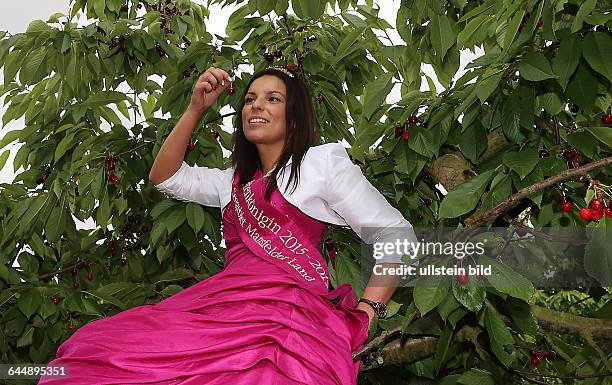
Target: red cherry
(291, 67)
(406, 135)
(191, 146)
(566, 206)
(462, 279)
(89, 276)
(214, 134)
(563, 198)
(607, 119)
(70, 326)
(56, 300)
(123, 261)
(231, 90)
(398, 131)
(75, 285)
(608, 211)
(540, 23)
(597, 215)
(596, 205)
(114, 179)
(551, 355)
(413, 119)
(535, 361)
(586, 214)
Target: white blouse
(331, 189)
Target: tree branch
(514, 199)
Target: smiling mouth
(257, 123)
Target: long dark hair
(300, 135)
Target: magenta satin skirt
(249, 324)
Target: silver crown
(283, 70)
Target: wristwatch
(379, 308)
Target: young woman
(270, 316)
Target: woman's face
(266, 98)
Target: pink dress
(251, 323)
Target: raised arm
(207, 89)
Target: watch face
(383, 312)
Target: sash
(274, 237)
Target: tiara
(283, 70)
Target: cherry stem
(69, 268)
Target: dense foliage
(521, 140)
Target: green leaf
(512, 28)
(174, 218)
(442, 30)
(375, 93)
(535, 67)
(33, 210)
(476, 377)
(428, 297)
(3, 158)
(597, 50)
(580, 89)
(586, 8)
(469, 35)
(566, 61)
(511, 118)
(64, 145)
(598, 254)
(104, 98)
(470, 295)
(499, 335)
(265, 6)
(552, 103)
(33, 71)
(309, 9)
(522, 162)
(29, 301)
(27, 337)
(473, 142)
(442, 348)
(348, 45)
(464, 197)
(506, 280)
(195, 216)
(487, 84)
(604, 134)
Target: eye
(272, 97)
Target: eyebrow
(267, 92)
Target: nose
(256, 104)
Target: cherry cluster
(189, 71)
(160, 50)
(538, 356)
(118, 41)
(403, 131)
(110, 167)
(594, 212)
(526, 19)
(43, 178)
